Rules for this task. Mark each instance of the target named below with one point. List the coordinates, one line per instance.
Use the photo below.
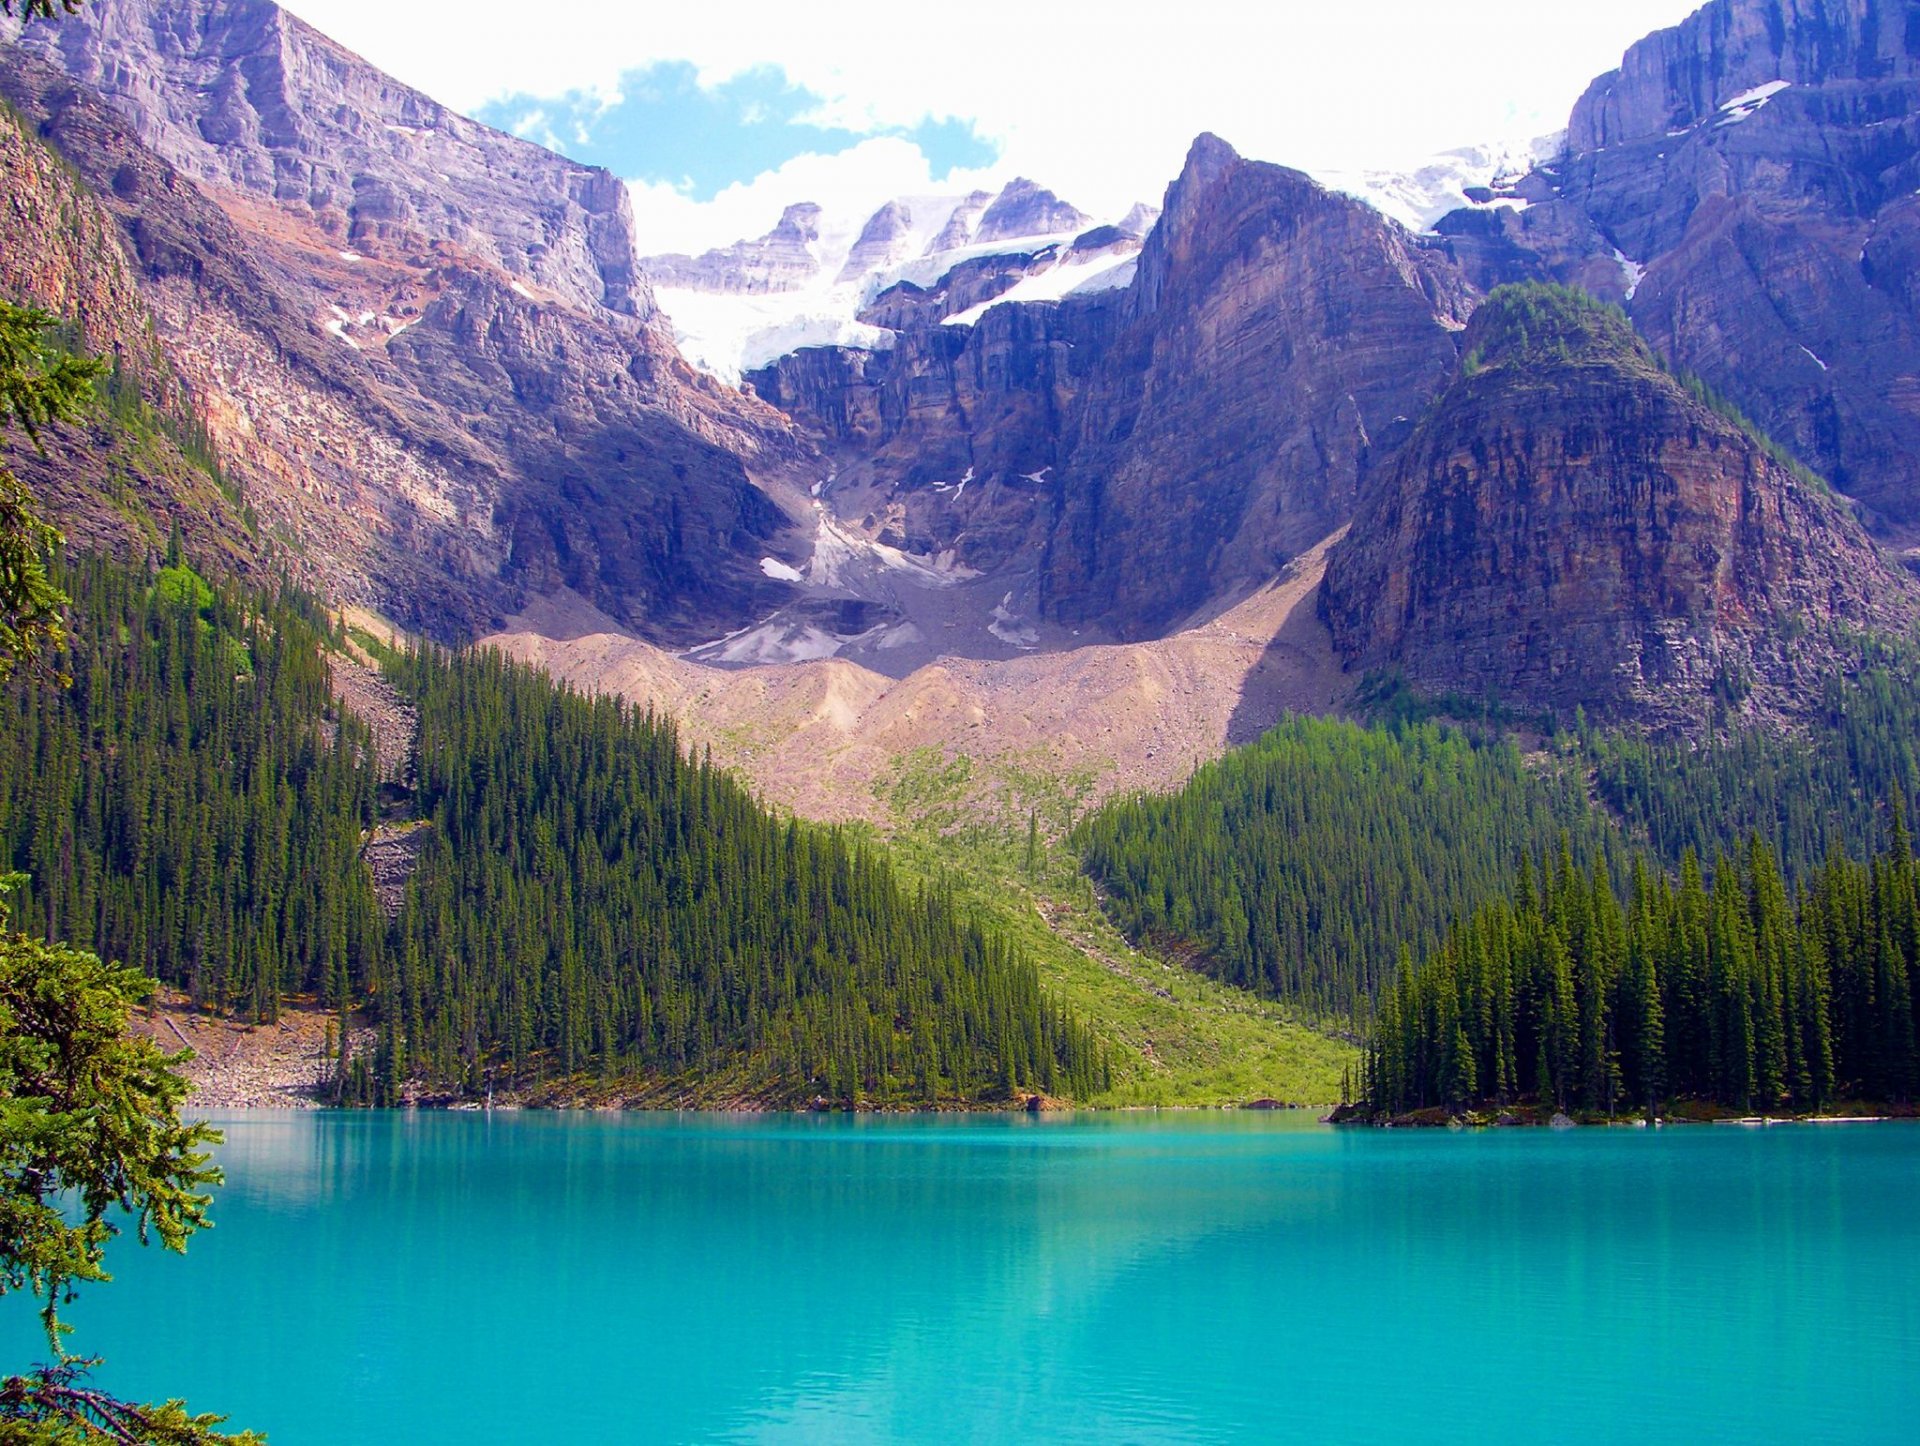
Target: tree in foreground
(89, 1112)
(89, 1130)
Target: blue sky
(661, 126)
(719, 115)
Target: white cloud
(849, 187)
(1099, 103)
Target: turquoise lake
(1183, 1277)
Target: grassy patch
(992, 831)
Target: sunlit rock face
(1571, 526)
(1746, 184)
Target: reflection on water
(1176, 1278)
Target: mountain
(420, 347)
(816, 279)
(429, 358)
(1746, 184)
(1571, 525)
(1163, 435)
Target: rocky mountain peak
(1571, 524)
(782, 260)
(959, 227)
(244, 97)
(1026, 208)
(798, 222)
(1714, 64)
(886, 238)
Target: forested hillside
(1729, 993)
(588, 900)
(194, 802)
(1808, 792)
(1302, 865)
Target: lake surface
(1191, 1277)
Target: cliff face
(66, 256)
(1569, 525)
(242, 97)
(444, 408)
(1275, 342)
(1143, 450)
(1746, 183)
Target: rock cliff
(1141, 451)
(1571, 525)
(443, 403)
(243, 97)
(1745, 183)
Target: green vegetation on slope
(1530, 324)
(991, 832)
(1728, 994)
(588, 903)
(1811, 793)
(1303, 865)
(193, 801)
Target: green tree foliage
(1302, 865)
(1573, 997)
(194, 800)
(1810, 792)
(590, 899)
(89, 1131)
(39, 385)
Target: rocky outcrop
(437, 431)
(1745, 183)
(1026, 208)
(1276, 340)
(66, 256)
(959, 227)
(887, 237)
(1145, 450)
(245, 98)
(781, 260)
(1572, 526)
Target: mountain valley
(1052, 508)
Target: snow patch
(338, 328)
(840, 557)
(1420, 195)
(1747, 102)
(1816, 360)
(351, 256)
(1067, 278)
(1633, 271)
(773, 567)
(730, 335)
(1008, 628)
(519, 290)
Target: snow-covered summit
(806, 281)
(1421, 194)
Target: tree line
(588, 899)
(195, 799)
(1732, 992)
(1302, 865)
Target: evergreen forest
(1302, 865)
(588, 902)
(1731, 993)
